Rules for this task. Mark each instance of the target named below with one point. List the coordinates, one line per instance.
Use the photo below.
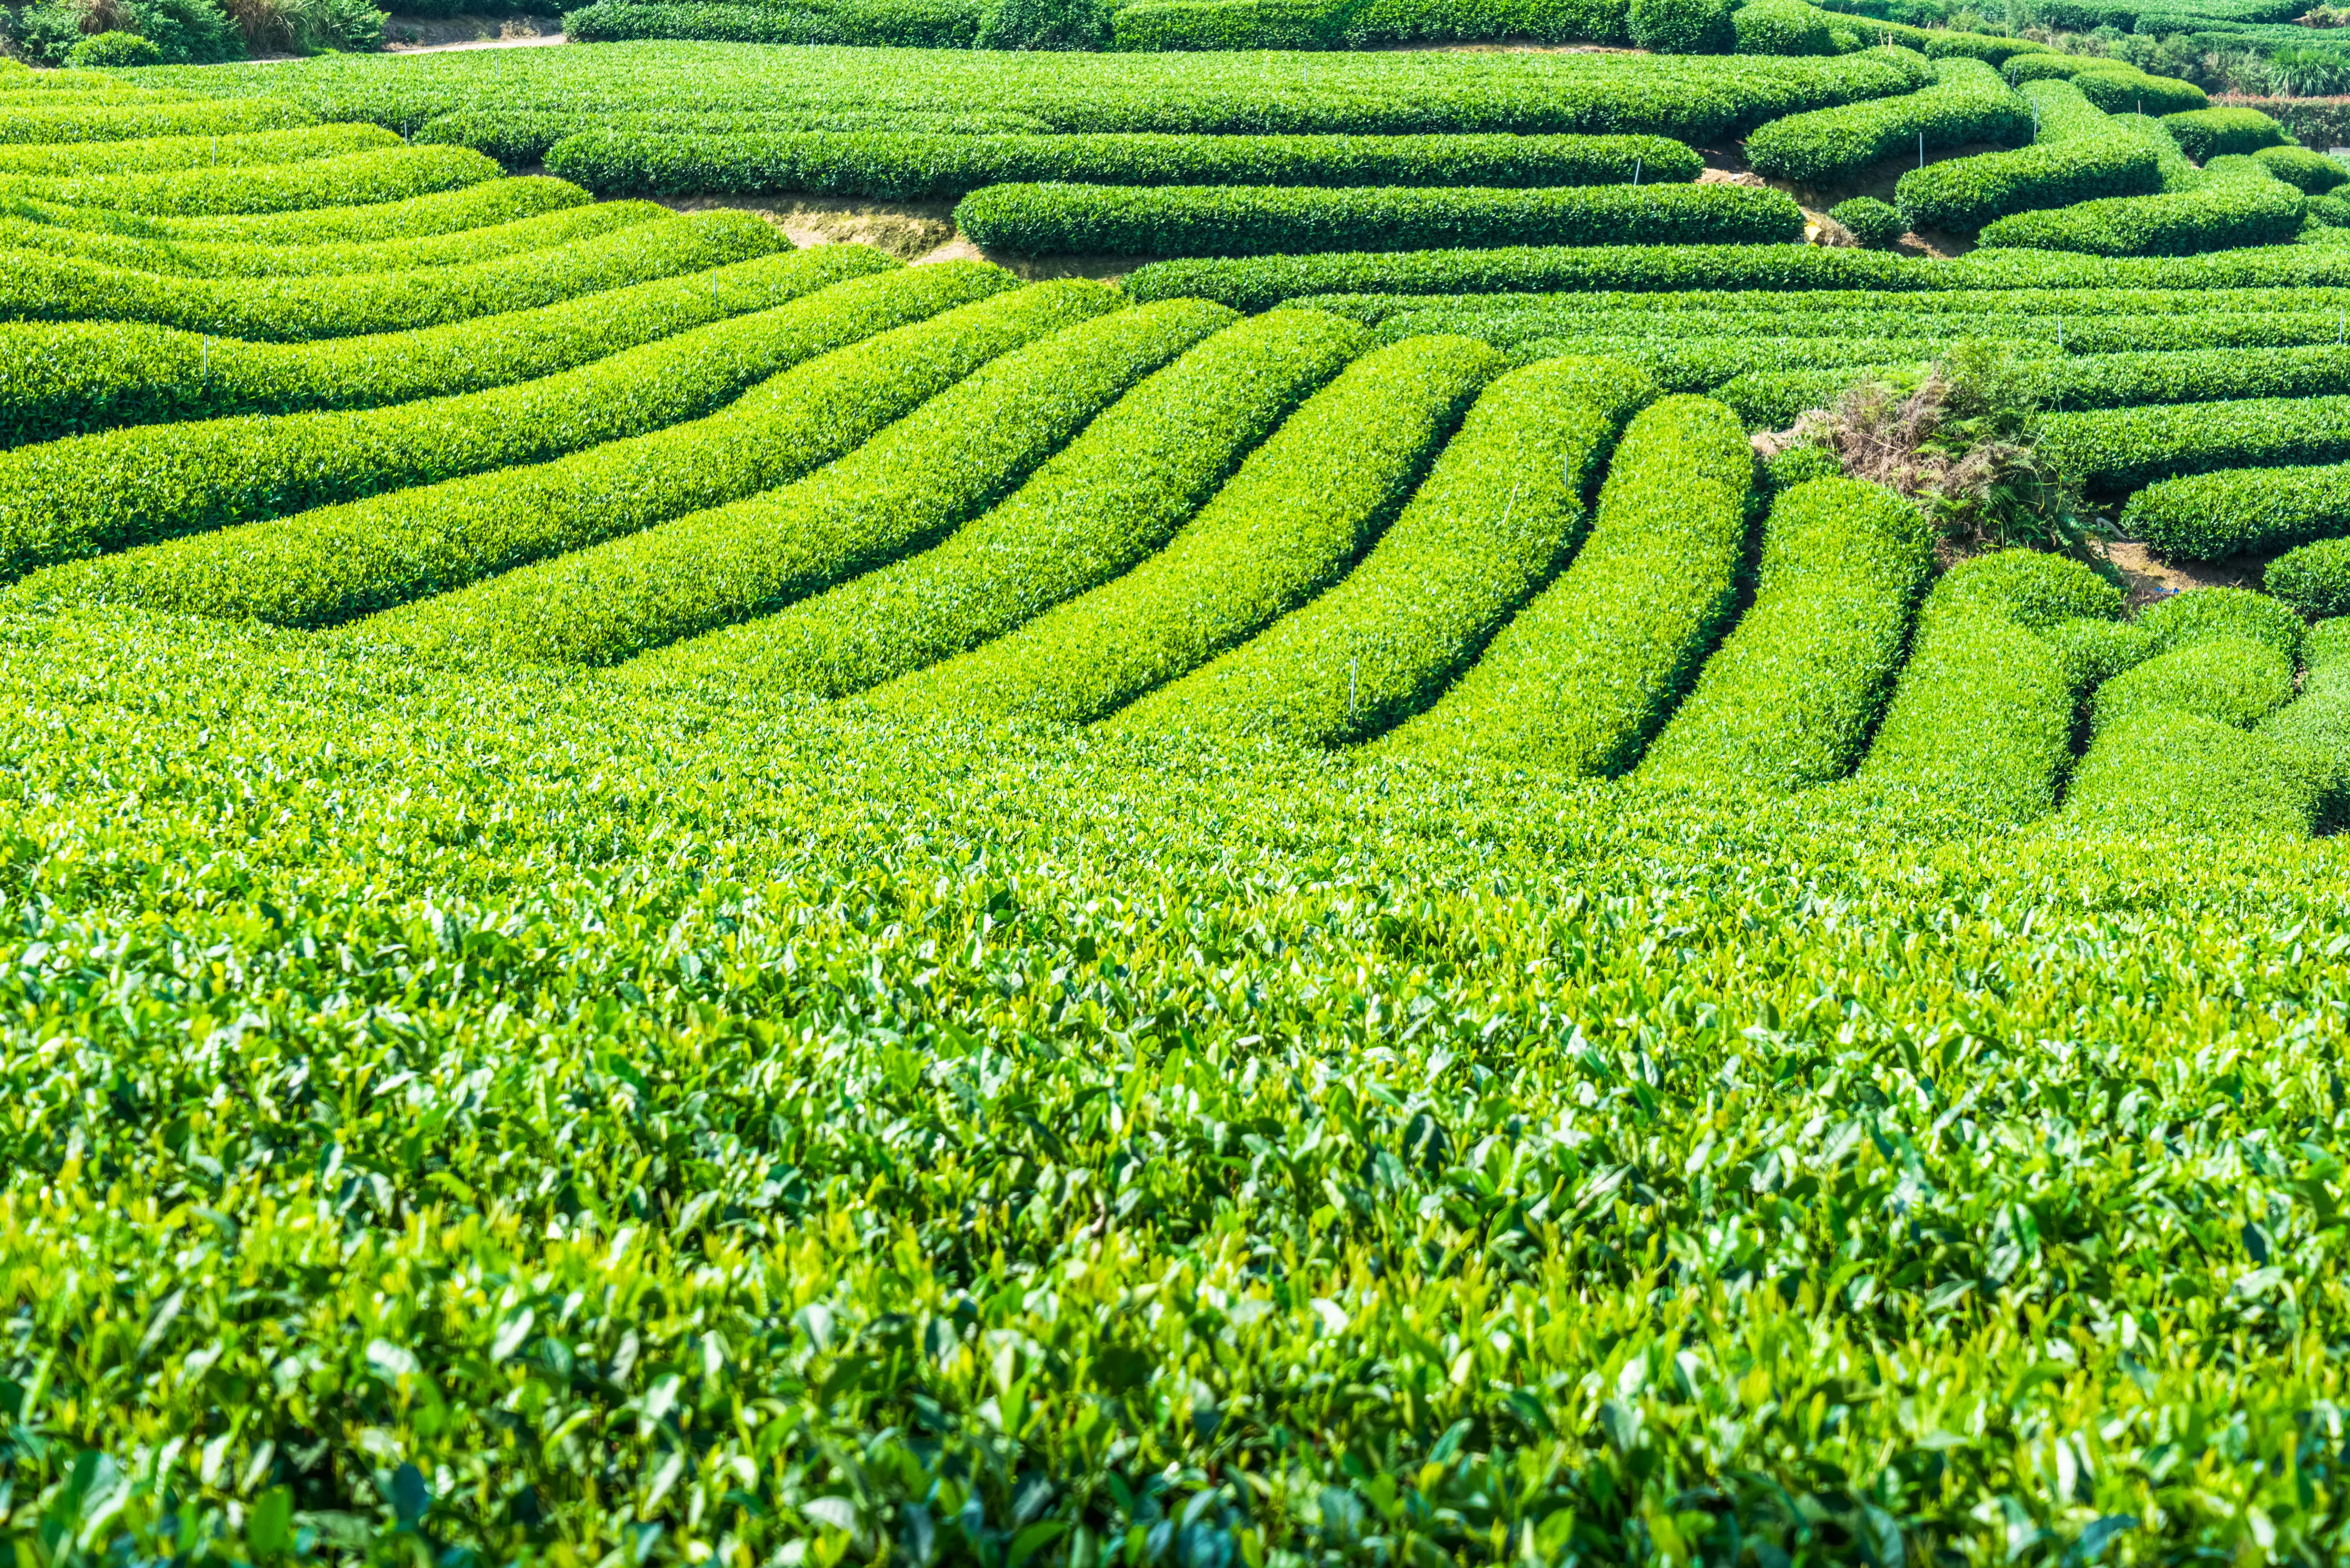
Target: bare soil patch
(911, 231)
(2148, 578)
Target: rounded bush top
(2033, 589)
(1875, 224)
(1684, 27)
(2200, 615)
(104, 50)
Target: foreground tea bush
(1790, 696)
(903, 166)
(1256, 220)
(937, 1071)
(1105, 503)
(904, 488)
(1503, 504)
(1288, 524)
(1580, 679)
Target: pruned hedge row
(1790, 697)
(2236, 680)
(1104, 504)
(2079, 155)
(72, 378)
(2224, 213)
(1782, 28)
(1375, 94)
(900, 167)
(107, 117)
(61, 500)
(1225, 25)
(2170, 748)
(2204, 134)
(2309, 172)
(160, 154)
(2202, 615)
(442, 212)
(2115, 86)
(1984, 710)
(2314, 578)
(1258, 219)
(1504, 504)
(1580, 679)
(519, 136)
(2114, 449)
(354, 178)
(564, 225)
(1290, 521)
(1967, 102)
(337, 562)
(292, 309)
(2233, 511)
(904, 488)
(895, 24)
(1259, 283)
(2315, 725)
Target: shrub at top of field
(1388, 93)
(1967, 103)
(907, 166)
(1253, 220)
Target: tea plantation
(1476, 861)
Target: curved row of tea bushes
(1259, 282)
(904, 488)
(1289, 522)
(60, 500)
(1789, 698)
(2315, 725)
(1256, 220)
(2204, 134)
(292, 309)
(891, 24)
(74, 378)
(2171, 746)
(519, 136)
(1967, 102)
(352, 180)
(2226, 211)
(899, 167)
(1580, 679)
(1504, 504)
(1982, 713)
(2202, 615)
(2118, 449)
(1228, 25)
(2211, 516)
(162, 153)
(2115, 86)
(2314, 578)
(2078, 153)
(563, 225)
(442, 212)
(1099, 507)
(319, 568)
(108, 118)
(2310, 172)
